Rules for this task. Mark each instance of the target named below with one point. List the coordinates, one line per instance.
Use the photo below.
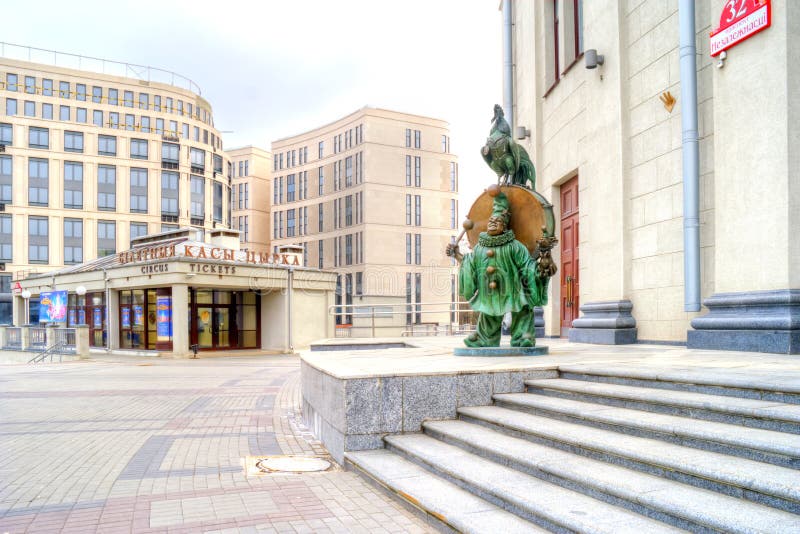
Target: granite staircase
(606, 450)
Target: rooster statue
(507, 159)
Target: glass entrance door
(213, 327)
(205, 327)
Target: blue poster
(53, 307)
(138, 315)
(164, 318)
(126, 317)
(97, 316)
(71, 318)
(81, 316)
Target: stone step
(767, 415)
(678, 504)
(764, 386)
(536, 500)
(439, 501)
(739, 477)
(754, 443)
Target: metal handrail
(58, 348)
(130, 69)
(340, 310)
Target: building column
(180, 321)
(756, 300)
(112, 319)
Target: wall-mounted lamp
(26, 294)
(593, 59)
(522, 132)
(722, 57)
(80, 290)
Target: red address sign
(740, 20)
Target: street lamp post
(27, 295)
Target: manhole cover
(292, 464)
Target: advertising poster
(53, 307)
(138, 315)
(126, 317)
(72, 317)
(81, 316)
(97, 317)
(164, 318)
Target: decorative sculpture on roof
(507, 159)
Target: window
(453, 176)
(38, 137)
(138, 230)
(173, 128)
(348, 249)
(170, 153)
(217, 202)
(29, 108)
(180, 107)
(169, 193)
(348, 210)
(417, 171)
(6, 238)
(198, 159)
(198, 200)
(320, 253)
(128, 99)
(247, 196)
(409, 292)
(290, 188)
(418, 297)
(321, 149)
(408, 137)
(97, 93)
(80, 115)
(408, 171)
(418, 249)
(63, 89)
(290, 223)
(30, 85)
(320, 219)
(113, 97)
(113, 120)
(6, 134)
(129, 122)
(106, 187)
(348, 171)
(38, 181)
(159, 126)
(408, 210)
(73, 185)
(185, 131)
(138, 190)
(107, 145)
(417, 210)
(73, 141)
(157, 102)
(408, 249)
(280, 224)
(145, 124)
(63, 113)
(73, 241)
(168, 106)
(11, 106)
(335, 213)
(554, 70)
(38, 239)
(97, 118)
(144, 101)
(80, 92)
(417, 139)
(444, 144)
(247, 228)
(217, 160)
(106, 238)
(47, 87)
(6, 179)
(139, 148)
(453, 212)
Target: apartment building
(90, 161)
(374, 197)
(251, 169)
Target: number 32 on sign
(740, 20)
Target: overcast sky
(271, 69)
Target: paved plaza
(119, 444)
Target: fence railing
(38, 339)
(13, 338)
(403, 319)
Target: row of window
(111, 119)
(344, 295)
(109, 95)
(299, 156)
(349, 169)
(244, 168)
(243, 196)
(39, 188)
(347, 250)
(347, 211)
(242, 223)
(73, 234)
(417, 249)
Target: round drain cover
(292, 464)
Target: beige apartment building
(250, 194)
(374, 197)
(652, 185)
(90, 161)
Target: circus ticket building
(171, 295)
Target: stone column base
(754, 321)
(605, 323)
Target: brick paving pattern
(133, 445)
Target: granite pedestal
(605, 323)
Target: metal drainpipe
(691, 157)
(108, 325)
(289, 285)
(508, 66)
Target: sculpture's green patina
(500, 275)
(505, 157)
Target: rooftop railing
(94, 64)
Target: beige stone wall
(256, 203)
(90, 213)
(609, 127)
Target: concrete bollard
(25, 337)
(3, 336)
(82, 341)
(50, 335)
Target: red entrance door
(569, 254)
